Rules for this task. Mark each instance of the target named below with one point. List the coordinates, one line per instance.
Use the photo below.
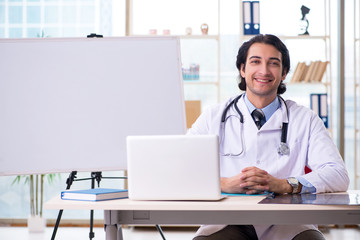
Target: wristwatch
(294, 184)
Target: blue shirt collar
(268, 110)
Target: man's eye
(275, 63)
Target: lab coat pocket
(288, 164)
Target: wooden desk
(231, 210)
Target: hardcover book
(95, 194)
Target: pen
(270, 195)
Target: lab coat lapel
(276, 120)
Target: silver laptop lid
(173, 167)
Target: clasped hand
(253, 180)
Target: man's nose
(264, 68)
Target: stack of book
(313, 72)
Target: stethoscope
(283, 148)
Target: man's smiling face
(262, 72)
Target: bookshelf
(217, 74)
(198, 49)
(300, 50)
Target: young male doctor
(268, 150)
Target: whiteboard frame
(60, 100)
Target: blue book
(95, 194)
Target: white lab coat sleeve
(208, 122)
(328, 169)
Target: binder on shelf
(255, 10)
(318, 103)
(247, 17)
(251, 17)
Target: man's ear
(284, 76)
(242, 70)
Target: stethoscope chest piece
(283, 149)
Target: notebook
(94, 194)
(173, 167)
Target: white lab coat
(309, 142)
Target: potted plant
(36, 221)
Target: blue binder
(251, 17)
(255, 10)
(247, 17)
(318, 103)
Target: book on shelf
(320, 71)
(94, 194)
(300, 72)
(313, 72)
(310, 72)
(296, 72)
(303, 72)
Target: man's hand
(253, 180)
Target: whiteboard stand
(95, 176)
(69, 106)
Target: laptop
(173, 167)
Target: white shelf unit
(324, 41)
(212, 88)
(326, 83)
(207, 87)
(212, 79)
(208, 78)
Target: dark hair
(267, 39)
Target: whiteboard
(68, 104)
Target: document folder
(255, 9)
(318, 103)
(247, 17)
(251, 17)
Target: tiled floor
(78, 233)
